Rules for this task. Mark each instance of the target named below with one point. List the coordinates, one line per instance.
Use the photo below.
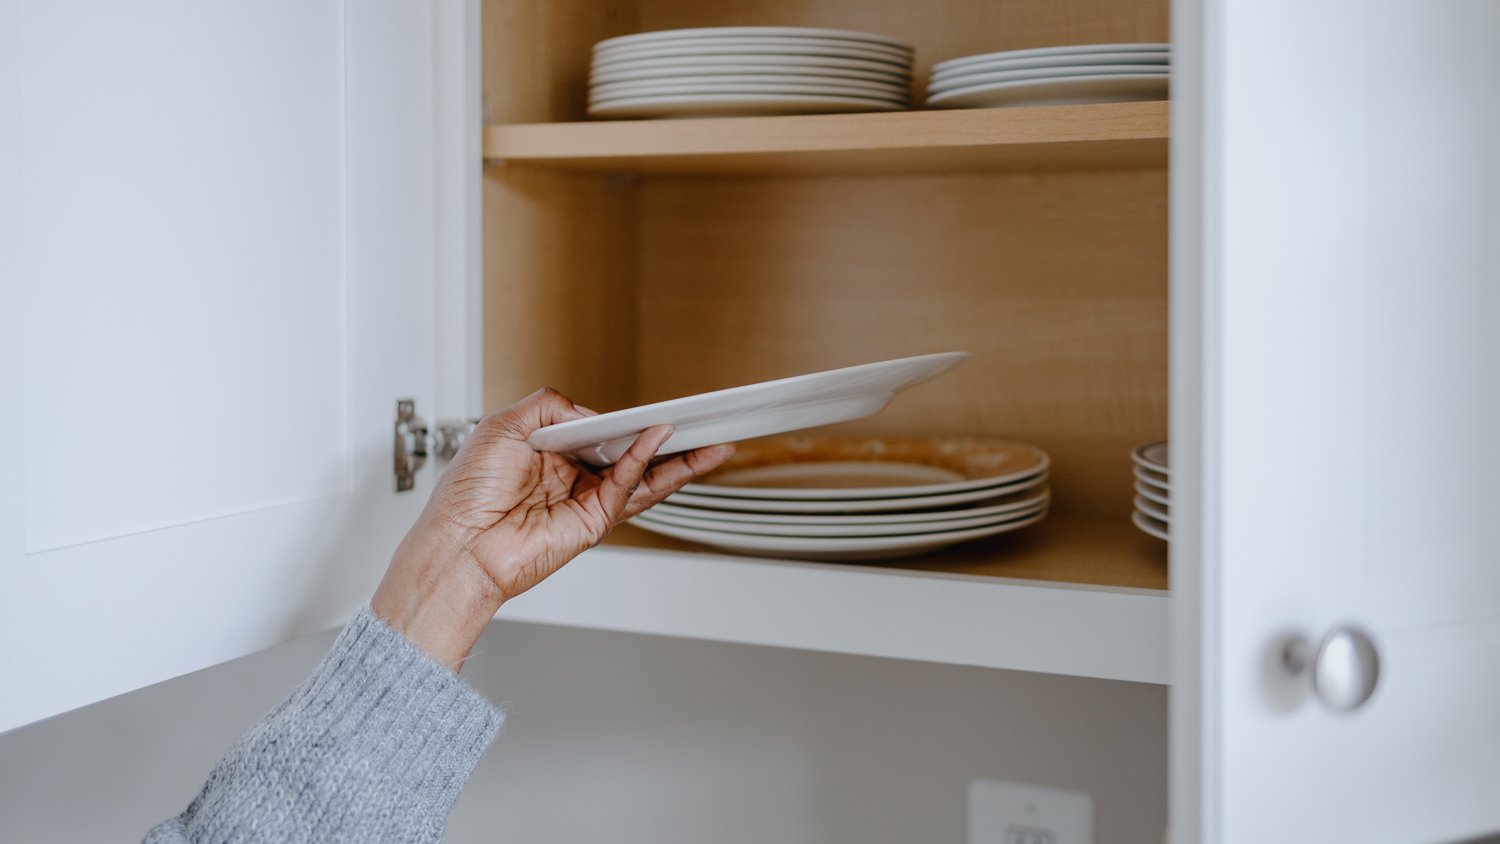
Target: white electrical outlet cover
(1019, 813)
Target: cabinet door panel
(171, 283)
(219, 252)
(1349, 460)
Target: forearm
(375, 746)
(436, 596)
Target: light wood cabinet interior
(626, 287)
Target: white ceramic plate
(972, 463)
(877, 87)
(747, 32)
(1117, 88)
(764, 89)
(969, 81)
(839, 531)
(1155, 479)
(1155, 457)
(803, 64)
(752, 45)
(1156, 528)
(724, 105)
(855, 505)
(740, 413)
(1081, 60)
(1151, 493)
(686, 72)
(1019, 502)
(1040, 52)
(1152, 509)
(735, 53)
(812, 548)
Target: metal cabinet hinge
(414, 442)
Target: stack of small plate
(842, 498)
(1153, 490)
(745, 70)
(1084, 73)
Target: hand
(504, 517)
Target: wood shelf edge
(639, 143)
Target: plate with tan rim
(661, 35)
(1151, 493)
(1152, 509)
(856, 505)
(834, 548)
(957, 520)
(1154, 457)
(825, 468)
(1156, 479)
(1026, 499)
(1155, 527)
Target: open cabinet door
(219, 230)
(1338, 363)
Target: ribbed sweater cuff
(407, 714)
(374, 746)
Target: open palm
(521, 514)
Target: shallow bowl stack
(862, 498)
(748, 70)
(1083, 73)
(1153, 490)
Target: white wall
(630, 739)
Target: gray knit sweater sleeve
(374, 746)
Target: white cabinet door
(1345, 344)
(217, 234)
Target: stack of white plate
(841, 498)
(1084, 73)
(1153, 490)
(745, 70)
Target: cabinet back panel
(1057, 283)
(536, 55)
(559, 292)
(939, 31)
(618, 292)
(536, 52)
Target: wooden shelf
(1060, 598)
(1110, 136)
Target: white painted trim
(1109, 633)
(12, 370)
(1196, 149)
(457, 236)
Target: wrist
(436, 596)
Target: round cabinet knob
(1345, 669)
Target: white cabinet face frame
(1334, 410)
(228, 248)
